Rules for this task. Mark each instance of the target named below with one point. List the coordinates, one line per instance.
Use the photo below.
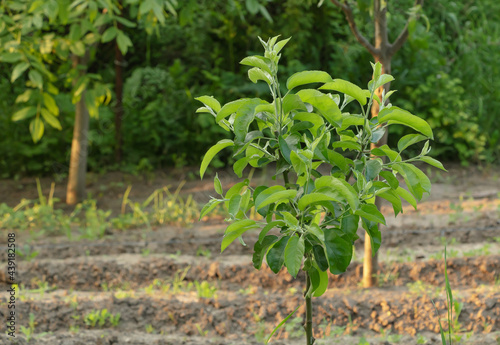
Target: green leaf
(50, 104)
(416, 181)
(347, 88)
(235, 230)
(320, 257)
(407, 196)
(390, 178)
(126, 22)
(315, 119)
(272, 195)
(322, 284)
(307, 77)
(382, 80)
(314, 198)
(260, 249)
(373, 168)
(234, 205)
(384, 150)
(292, 102)
(222, 144)
(24, 113)
(218, 185)
(239, 166)
(394, 199)
(109, 34)
(374, 233)
(258, 61)
(408, 140)
(399, 116)
(285, 149)
(50, 119)
(230, 108)
(336, 159)
(209, 206)
(10, 57)
(209, 101)
(18, 71)
(255, 74)
(36, 129)
(279, 45)
(36, 78)
(324, 104)
(340, 186)
(276, 255)
(377, 69)
(294, 252)
(77, 48)
(338, 251)
(269, 226)
(123, 42)
(349, 226)
(433, 162)
(370, 212)
(244, 116)
(347, 145)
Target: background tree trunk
(382, 51)
(78, 161)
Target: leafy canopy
(323, 152)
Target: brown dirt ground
(69, 279)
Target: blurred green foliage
(445, 74)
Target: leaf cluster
(324, 153)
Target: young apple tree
(330, 175)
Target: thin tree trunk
(370, 262)
(78, 161)
(382, 52)
(119, 105)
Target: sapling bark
(310, 221)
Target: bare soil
(128, 273)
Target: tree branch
(352, 25)
(403, 36)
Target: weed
(203, 252)
(421, 288)
(250, 290)
(39, 217)
(149, 328)
(145, 252)
(386, 278)
(26, 252)
(95, 221)
(200, 330)
(205, 290)
(29, 332)
(99, 318)
(483, 251)
(294, 328)
(421, 339)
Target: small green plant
(310, 220)
(205, 290)
(203, 252)
(149, 328)
(29, 332)
(26, 252)
(38, 217)
(93, 222)
(454, 327)
(421, 339)
(99, 318)
(200, 330)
